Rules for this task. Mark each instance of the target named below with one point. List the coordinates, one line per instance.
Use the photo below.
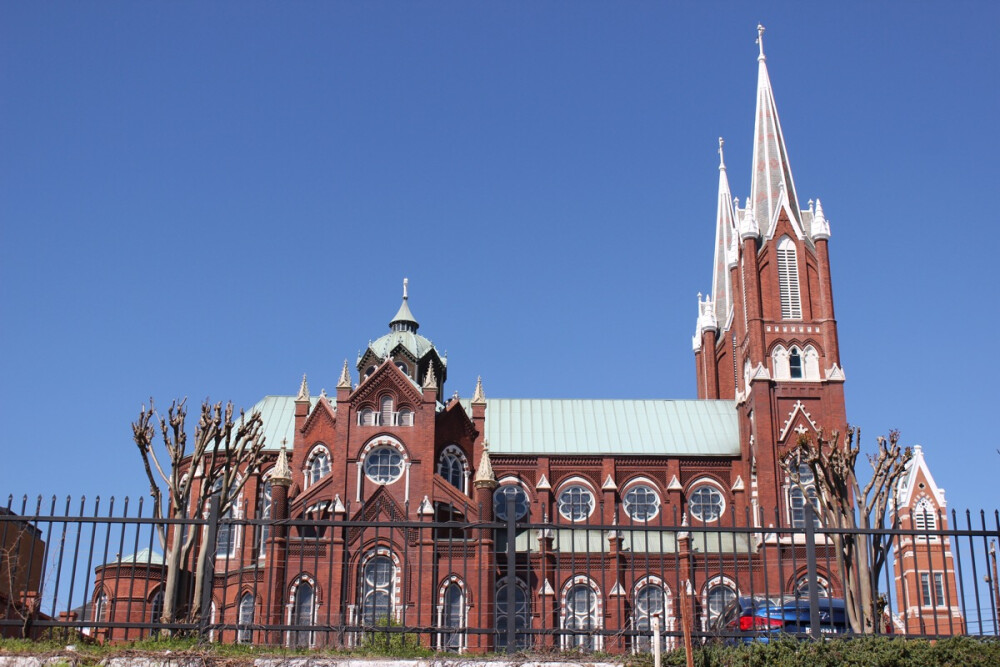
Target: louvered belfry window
(788, 280)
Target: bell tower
(767, 335)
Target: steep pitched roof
(725, 231)
(771, 169)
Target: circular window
(384, 465)
(576, 503)
(500, 501)
(641, 502)
(705, 503)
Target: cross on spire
(760, 41)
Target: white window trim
(290, 610)
(717, 580)
(317, 449)
(512, 480)
(642, 481)
(576, 480)
(567, 641)
(395, 591)
(463, 614)
(668, 620)
(706, 481)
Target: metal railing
(381, 574)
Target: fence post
(811, 573)
(209, 574)
(511, 578)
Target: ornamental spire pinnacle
(484, 474)
(771, 169)
(478, 397)
(281, 473)
(345, 377)
(725, 232)
(303, 390)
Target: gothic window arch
(717, 593)
(245, 618)
(802, 476)
(810, 363)
(404, 417)
(706, 500)
(581, 614)
(576, 499)
(520, 599)
(803, 586)
(317, 464)
(795, 369)
(367, 416)
(453, 466)
(788, 279)
(102, 607)
(156, 607)
(302, 611)
(264, 513)
(779, 363)
(650, 597)
(378, 588)
(227, 533)
(452, 615)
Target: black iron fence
(380, 575)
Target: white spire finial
(760, 41)
(722, 161)
(406, 282)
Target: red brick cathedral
(392, 446)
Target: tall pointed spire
(725, 230)
(404, 320)
(771, 169)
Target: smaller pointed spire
(303, 390)
(281, 474)
(430, 381)
(749, 229)
(345, 377)
(478, 397)
(484, 475)
(404, 320)
(820, 225)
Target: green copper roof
(630, 427)
(278, 413)
(404, 316)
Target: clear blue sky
(209, 199)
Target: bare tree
(845, 504)
(18, 561)
(225, 455)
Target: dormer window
(403, 367)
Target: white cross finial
(760, 41)
(406, 281)
(722, 161)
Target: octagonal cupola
(412, 353)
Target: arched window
(452, 467)
(797, 501)
(779, 361)
(317, 466)
(650, 600)
(802, 587)
(303, 604)
(788, 280)
(101, 608)
(795, 364)
(385, 411)
(452, 617)
(706, 502)
(377, 581)
(717, 599)
(924, 515)
(405, 417)
(403, 367)
(810, 360)
(366, 417)
(244, 632)
(641, 502)
(500, 496)
(576, 502)
(581, 614)
(263, 512)
(156, 607)
(226, 533)
(518, 598)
